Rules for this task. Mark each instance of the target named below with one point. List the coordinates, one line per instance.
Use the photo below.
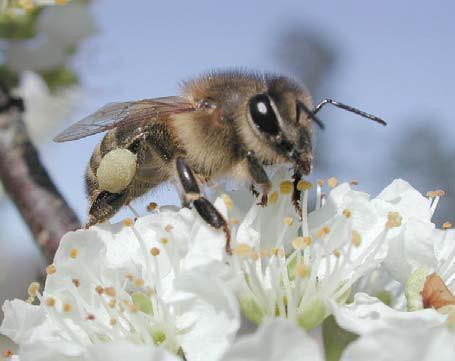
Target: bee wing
(114, 115)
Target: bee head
(280, 117)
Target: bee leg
(259, 176)
(205, 209)
(296, 193)
(104, 206)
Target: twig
(27, 182)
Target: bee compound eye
(263, 114)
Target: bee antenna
(311, 114)
(349, 109)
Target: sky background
(394, 59)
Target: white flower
(130, 283)
(44, 111)
(291, 268)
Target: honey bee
(223, 123)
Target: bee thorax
(116, 170)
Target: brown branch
(27, 182)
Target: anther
(50, 301)
(288, 221)
(90, 317)
(139, 282)
(332, 182)
(298, 243)
(436, 193)
(304, 185)
(227, 201)
(128, 222)
(73, 253)
(356, 238)
(113, 321)
(67, 307)
(164, 240)
(7, 353)
(354, 182)
(99, 290)
(286, 187)
(393, 220)
(302, 270)
(110, 291)
(273, 198)
(133, 308)
(154, 251)
(152, 206)
(112, 303)
(168, 228)
(336, 253)
(33, 289)
(243, 250)
(129, 276)
(235, 221)
(447, 225)
(347, 213)
(76, 282)
(51, 269)
(320, 182)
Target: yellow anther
(112, 303)
(254, 256)
(326, 229)
(356, 238)
(50, 301)
(7, 353)
(393, 220)
(133, 307)
(274, 251)
(302, 270)
(288, 221)
(354, 182)
(90, 317)
(152, 206)
(168, 228)
(298, 243)
(332, 182)
(243, 250)
(73, 253)
(129, 276)
(308, 240)
(273, 197)
(436, 193)
(99, 290)
(76, 282)
(265, 253)
(320, 182)
(51, 269)
(33, 289)
(154, 251)
(227, 201)
(113, 321)
(347, 213)
(286, 187)
(164, 240)
(235, 221)
(337, 253)
(67, 307)
(110, 291)
(304, 185)
(149, 291)
(139, 282)
(320, 233)
(128, 222)
(447, 225)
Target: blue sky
(396, 60)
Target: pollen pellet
(73, 253)
(128, 222)
(347, 213)
(33, 289)
(273, 197)
(152, 206)
(227, 201)
(298, 243)
(288, 221)
(99, 290)
(51, 269)
(243, 250)
(110, 291)
(116, 170)
(304, 185)
(447, 225)
(356, 238)
(67, 307)
(286, 187)
(139, 282)
(154, 251)
(50, 301)
(302, 270)
(332, 182)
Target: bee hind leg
(104, 206)
(205, 209)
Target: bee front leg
(205, 209)
(259, 176)
(296, 193)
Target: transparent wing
(114, 115)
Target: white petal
(20, 320)
(276, 339)
(368, 314)
(123, 350)
(417, 344)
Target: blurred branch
(27, 182)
